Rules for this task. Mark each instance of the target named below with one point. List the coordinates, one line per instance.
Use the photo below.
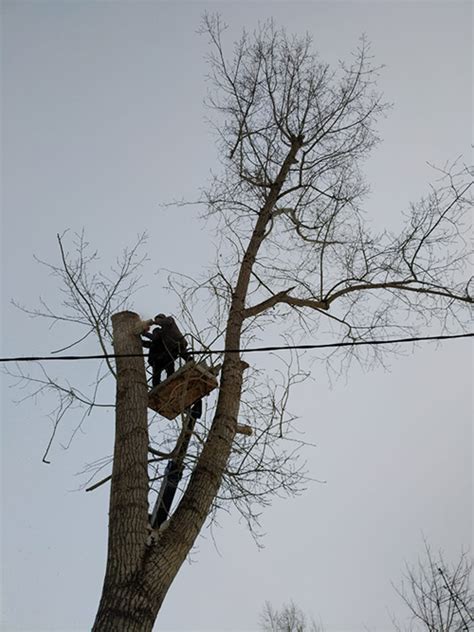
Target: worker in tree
(166, 344)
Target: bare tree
(295, 253)
(289, 619)
(292, 134)
(438, 595)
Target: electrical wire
(329, 345)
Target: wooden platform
(191, 382)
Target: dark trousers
(160, 363)
(164, 361)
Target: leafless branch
(438, 595)
(89, 296)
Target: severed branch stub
(244, 429)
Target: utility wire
(250, 350)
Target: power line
(330, 345)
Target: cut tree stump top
(182, 389)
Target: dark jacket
(165, 340)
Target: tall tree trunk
(126, 602)
(140, 573)
(173, 544)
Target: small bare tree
(438, 595)
(289, 619)
(295, 254)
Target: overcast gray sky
(102, 121)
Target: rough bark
(125, 602)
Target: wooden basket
(179, 391)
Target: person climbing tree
(166, 344)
